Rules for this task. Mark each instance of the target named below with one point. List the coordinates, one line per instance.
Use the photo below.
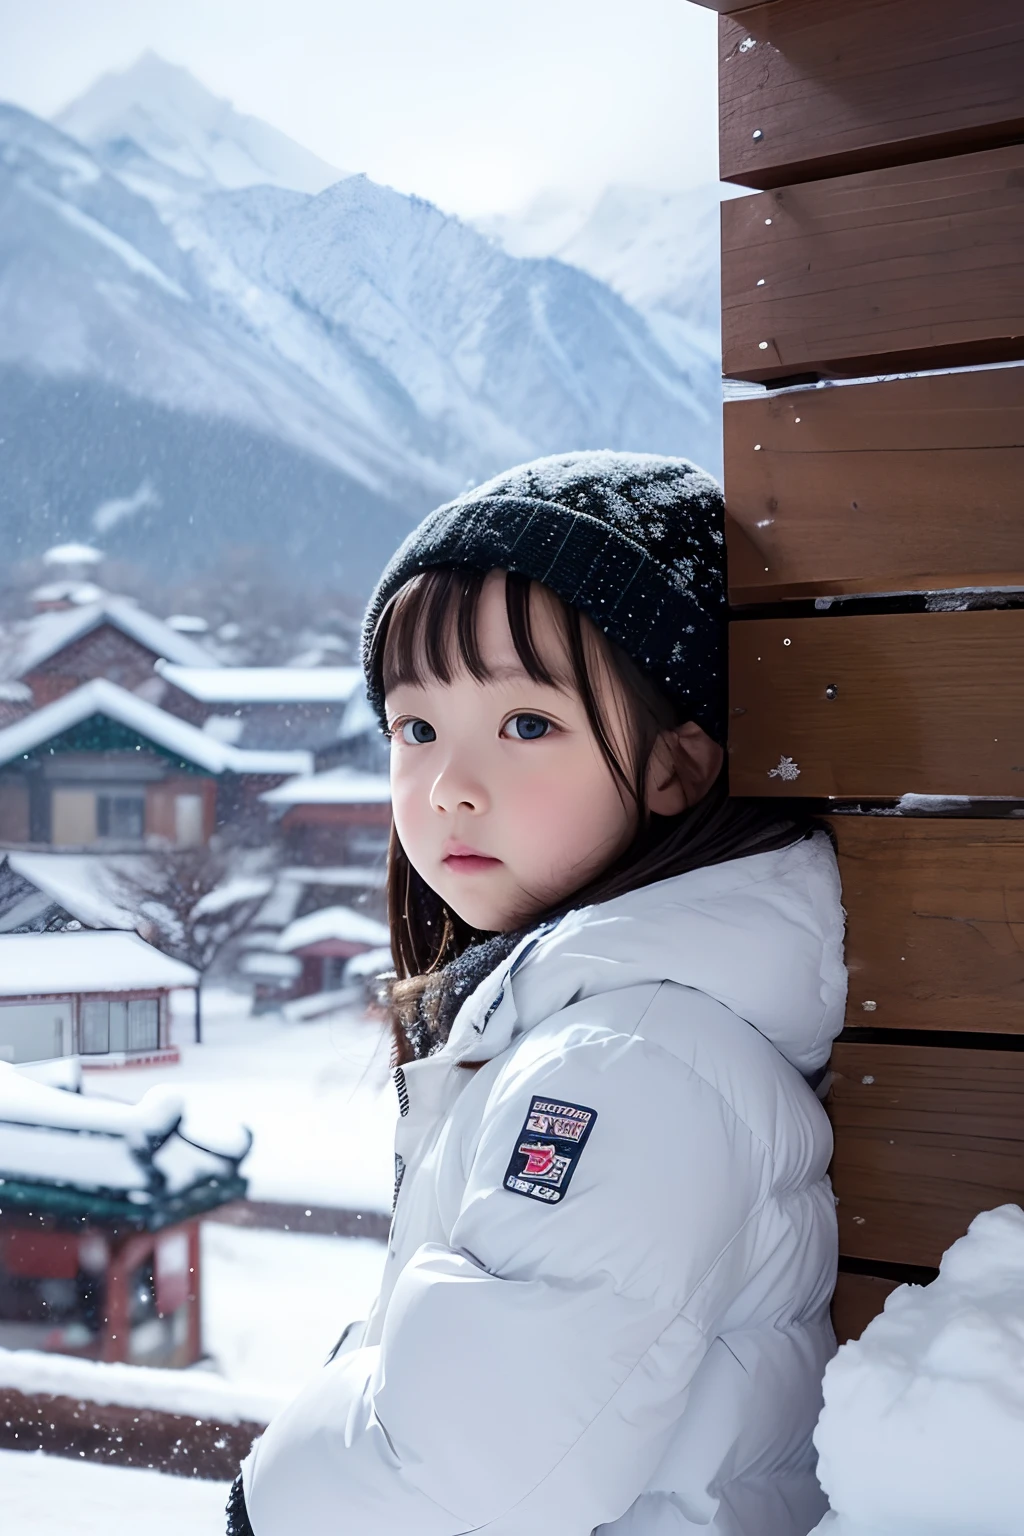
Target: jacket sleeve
(530, 1373)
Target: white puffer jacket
(606, 1297)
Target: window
(188, 821)
(119, 1026)
(121, 817)
(73, 818)
(143, 1024)
(334, 970)
(95, 1027)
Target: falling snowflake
(787, 769)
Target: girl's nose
(454, 789)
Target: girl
(605, 1302)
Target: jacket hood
(763, 935)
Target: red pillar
(126, 1254)
(195, 1318)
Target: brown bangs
(429, 630)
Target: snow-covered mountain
(157, 124)
(304, 372)
(659, 250)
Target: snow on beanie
(634, 540)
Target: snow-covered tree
(192, 903)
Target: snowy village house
(876, 563)
(99, 1243)
(101, 995)
(102, 767)
(110, 637)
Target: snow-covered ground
(274, 1303)
(317, 1097)
(48, 1496)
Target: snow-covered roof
(335, 786)
(264, 685)
(372, 963)
(49, 633)
(77, 592)
(59, 1143)
(260, 963)
(104, 698)
(43, 964)
(86, 886)
(15, 693)
(231, 893)
(72, 554)
(333, 923)
(333, 874)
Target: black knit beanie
(634, 540)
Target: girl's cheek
(564, 817)
(410, 806)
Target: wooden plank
(811, 88)
(904, 485)
(925, 1139)
(119, 1435)
(877, 706)
(935, 922)
(910, 268)
(858, 1298)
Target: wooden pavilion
(873, 328)
(99, 1222)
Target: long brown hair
(429, 629)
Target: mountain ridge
(359, 336)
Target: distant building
(264, 706)
(340, 816)
(101, 995)
(99, 1237)
(325, 941)
(102, 768)
(56, 652)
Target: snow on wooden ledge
(196, 1392)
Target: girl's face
(502, 798)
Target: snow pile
(922, 1433)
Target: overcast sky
(475, 104)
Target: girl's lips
(469, 863)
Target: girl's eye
(417, 732)
(527, 727)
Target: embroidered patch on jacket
(548, 1148)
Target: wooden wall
(873, 299)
